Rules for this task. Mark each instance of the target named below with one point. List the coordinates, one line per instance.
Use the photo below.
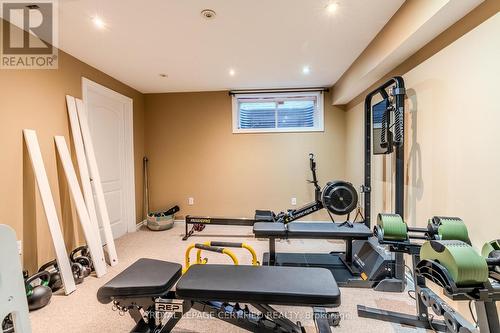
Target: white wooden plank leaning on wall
(82, 162)
(96, 182)
(90, 231)
(50, 210)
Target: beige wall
(36, 99)
(452, 161)
(193, 153)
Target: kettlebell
(8, 325)
(55, 282)
(38, 295)
(86, 265)
(82, 255)
(78, 272)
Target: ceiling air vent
(208, 14)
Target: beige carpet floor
(81, 312)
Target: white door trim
(129, 182)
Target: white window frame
(319, 124)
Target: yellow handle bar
(250, 249)
(206, 247)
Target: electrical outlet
(294, 201)
(20, 247)
(190, 201)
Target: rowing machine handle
(312, 163)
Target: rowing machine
(338, 197)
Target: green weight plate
(490, 247)
(394, 227)
(453, 229)
(464, 264)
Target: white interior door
(110, 121)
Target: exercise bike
(337, 197)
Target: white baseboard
(140, 224)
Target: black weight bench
(340, 263)
(145, 291)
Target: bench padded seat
(327, 230)
(260, 285)
(146, 277)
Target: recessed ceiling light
(209, 14)
(232, 72)
(332, 7)
(163, 75)
(306, 70)
(98, 22)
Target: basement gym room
(261, 166)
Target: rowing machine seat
(146, 277)
(313, 230)
(265, 229)
(264, 216)
(260, 285)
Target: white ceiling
(267, 43)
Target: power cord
(472, 313)
(430, 318)
(411, 291)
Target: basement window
(278, 112)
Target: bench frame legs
(268, 320)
